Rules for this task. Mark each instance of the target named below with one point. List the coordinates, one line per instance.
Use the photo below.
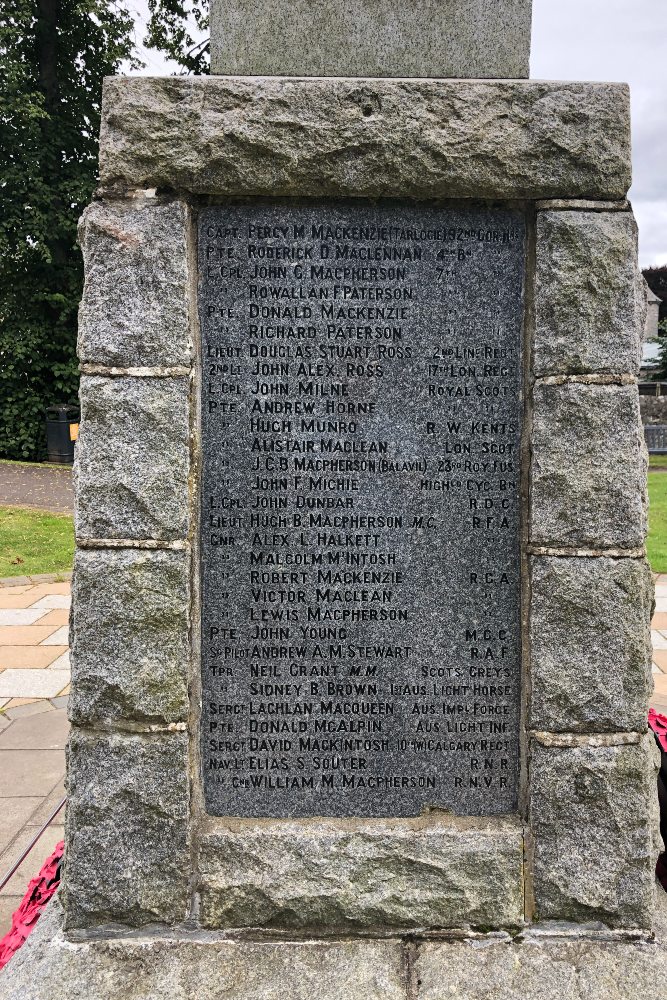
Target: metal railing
(652, 388)
(655, 436)
(30, 846)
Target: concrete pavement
(43, 487)
(34, 683)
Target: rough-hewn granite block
(127, 830)
(539, 968)
(367, 138)
(170, 967)
(129, 636)
(476, 39)
(590, 816)
(134, 311)
(329, 876)
(590, 303)
(590, 630)
(132, 458)
(588, 471)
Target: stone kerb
(136, 477)
(591, 780)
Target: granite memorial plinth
(348, 594)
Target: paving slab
(29, 706)
(30, 867)
(15, 813)
(62, 663)
(52, 601)
(24, 616)
(37, 732)
(29, 657)
(47, 807)
(59, 616)
(32, 772)
(10, 601)
(59, 638)
(27, 635)
(63, 587)
(33, 683)
(7, 906)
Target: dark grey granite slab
(361, 409)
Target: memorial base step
(555, 963)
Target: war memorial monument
(361, 608)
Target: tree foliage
(172, 27)
(53, 57)
(658, 371)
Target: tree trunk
(47, 51)
(46, 42)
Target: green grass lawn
(657, 521)
(68, 468)
(33, 541)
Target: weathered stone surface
(590, 305)
(129, 636)
(653, 410)
(534, 967)
(169, 968)
(590, 644)
(655, 755)
(590, 816)
(134, 311)
(371, 38)
(367, 138)
(126, 829)
(132, 458)
(588, 468)
(382, 875)
(582, 205)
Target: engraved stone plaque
(360, 524)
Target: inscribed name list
(360, 521)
